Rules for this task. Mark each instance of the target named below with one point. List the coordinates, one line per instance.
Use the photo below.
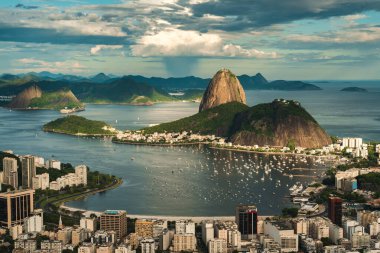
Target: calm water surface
(192, 180)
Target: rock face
(223, 88)
(280, 123)
(23, 99)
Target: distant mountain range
(132, 89)
(256, 82)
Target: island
(34, 98)
(223, 113)
(79, 126)
(354, 89)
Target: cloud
(98, 48)
(175, 42)
(41, 35)
(248, 14)
(27, 7)
(32, 64)
(349, 36)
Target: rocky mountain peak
(223, 88)
(22, 100)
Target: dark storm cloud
(27, 7)
(246, 14)
(39, 35)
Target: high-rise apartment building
(10, 175)
(335, 210)
(28, 171)
(15, 206)
(114, 220)
(246, 219)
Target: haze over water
(190, 180)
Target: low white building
(217, 246)
(283, 235)
(34, 223)
(53, 164)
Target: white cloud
(369, 34)
(175, 42)
(98, 48)
(32, 64)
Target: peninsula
(79, 126)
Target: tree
(290, 211)
(327, 241)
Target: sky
(282, 39)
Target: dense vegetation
(56, 100)
(290, 212)
(370, 182)
(265, 114)
(217, 120)
(73, 124)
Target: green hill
(280, 123)
(123, 90)
(56, 100)
(76, 125)
(217, 120)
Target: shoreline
(159, 144)
(207, 144)
(194, 218)
(273, 153)
(79, 134)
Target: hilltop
(34, 98)
(280, 123)
(76, 125)
(223, 88)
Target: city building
(148, 245)
(352, 142)
(28, 245)
(10, 175)
(114, 220)
(246, 219)
(102, 237)
(360, 240)
(53, 246)
(88, 223)
(81, 173)
(15, 206)
(105, 248)
(64, 235)
(28, 171)
(53, 164)
(41, 181)
(217, 246)
(87, 247)
(144, 228)
(78, 235)
(282, 234)
(184, 242)
(207, 231)
(158, 227)
(335, 233)
(335, 210)
(184, 227)
(164, 240)
(35, 222)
